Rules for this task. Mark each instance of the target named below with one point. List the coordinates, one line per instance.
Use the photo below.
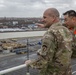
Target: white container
(6, 51)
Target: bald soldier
(55, 54)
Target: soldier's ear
(74, 18)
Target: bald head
(52, 12)
(50, 16)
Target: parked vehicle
(21, 51)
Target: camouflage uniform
(55, 53)
(74, 42)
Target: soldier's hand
(28, 62)
(40, 25)
(39, 52)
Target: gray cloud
(33, 8)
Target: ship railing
(12, 69)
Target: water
(21, 34)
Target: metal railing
(17, 68)
(12, 69)
(73, 73)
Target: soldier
(70, 22)
(55, 54)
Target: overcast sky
(33, 8)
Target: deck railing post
(27, 73)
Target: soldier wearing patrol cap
(55, 54)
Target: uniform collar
(56, 24)
(75, 30)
